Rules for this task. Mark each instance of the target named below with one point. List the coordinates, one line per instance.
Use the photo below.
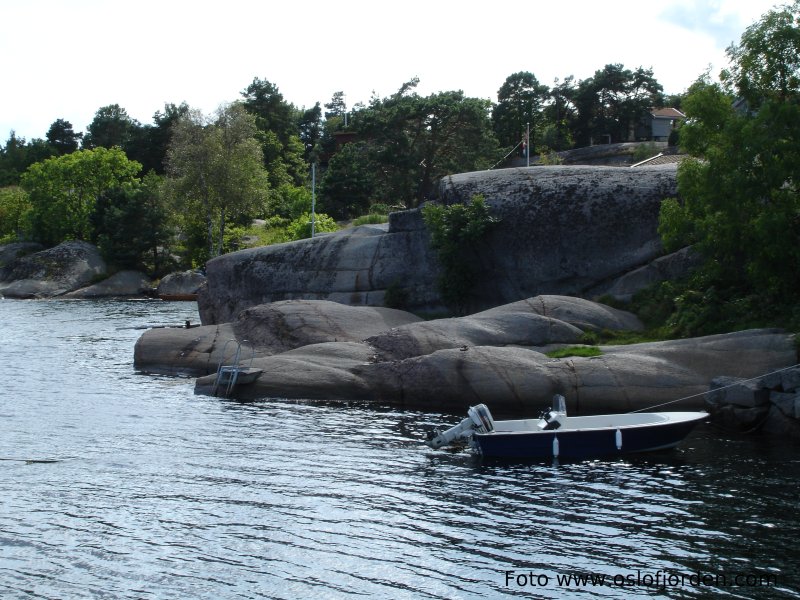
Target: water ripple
(162, 494)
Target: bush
(300, 228)
(396, 296)
(455, 233)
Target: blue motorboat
(554, 434)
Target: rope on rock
(724, 387)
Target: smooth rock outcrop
(291, 324)
(562, 230)
(124, 283)
(182, 351)
(533, 322)
(52, 272)
(305, 350)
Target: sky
(65, 59)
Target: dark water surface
(158, 493)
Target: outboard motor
(482, 418)
(479, 419)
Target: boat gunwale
(685, 417)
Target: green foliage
(17, 155)
(584, 351)
(645, 151)
(216, 175)
(396, 296)
(300, 228)
(456, 231)
(279, 133)
(740, 194)
(406, 143)
(765, 66)
(549, 157)
(62, 137)
(370, 219)
(520, 102)
(110, 127)
(349, 182)
(63, 191)
(612, 102)
(14, 207)
(132, 225)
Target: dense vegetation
(190, 186)
(200, 181)
(739, 204)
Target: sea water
(116, 484)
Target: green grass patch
(371, 219)
(585, 351)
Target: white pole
(313, 195)
(528, 144)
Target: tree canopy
(64, 190)
(216, 173)
(740, 192)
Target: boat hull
(585, 443)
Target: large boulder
(52, 272)
(180, 285)
(562, 230)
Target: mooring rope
(506, 156)
(724, 387)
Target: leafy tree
(559, 116)
(64, 191)
(17, 155)
(765, 66)
(740, 193)
(149, 144)
(415, 140)
(110, 127)
(611, 103)
(14, 206)
(337, 107)
(132, 223)
(279, 134)
(310, 125)
(216, 172)
(455, 232)
(350, 182)
(520, 101)
(62, 137)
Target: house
(659, 123)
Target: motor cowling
(480, 415)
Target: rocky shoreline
(75, 269)
(316, 349)
(312, 312)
